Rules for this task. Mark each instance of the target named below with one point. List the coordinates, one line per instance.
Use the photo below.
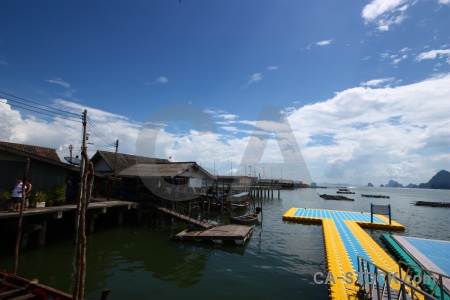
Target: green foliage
(5, 195)
(58, 193)
(38, 196)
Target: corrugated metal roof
(125, 160)
(40, 152)
(156, 170)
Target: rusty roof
(124, 160)
(36, 151)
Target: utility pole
(115, 155)
(80, 187)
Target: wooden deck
(225, 233)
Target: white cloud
(378, 8)
(371, 132)
(444, 1)
(255, 77)
(377, 82)
(323, 43)
(272, 68)
(385, 13)
(433, 54)
(360, 135)
(59, 81)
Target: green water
(142, 262)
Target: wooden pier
(36, 220)
(225, 233)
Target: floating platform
(345, 239)
(219, 234)
(335, 197)
(374, 196)
(432, 204)
(426, 253)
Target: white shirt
(17, 191)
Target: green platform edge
(401, 254)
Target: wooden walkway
(219, 234)
(184, 218)
(101, 206)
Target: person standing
(16, 195)
(28, 187)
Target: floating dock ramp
(345, 240)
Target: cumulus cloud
(370, 133)
(385, 13)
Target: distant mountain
(412, 186)
(439, 181)
(393, 183)
(370, 184)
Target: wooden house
(172, 180)
(46, 168)
(108, 164)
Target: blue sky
(362, 88)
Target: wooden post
(80, 278)
(120, 217)
(42, 233)
(19, 222)
(91, 224)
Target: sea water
(280, 259)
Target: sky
(318, 91)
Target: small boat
(16, 287)
(242, 205)
(247, 219)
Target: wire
(68, 113)
(98, 134)
(57, 113)
(43, 113)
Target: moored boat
(242, 205)
(16, 287)
(247, 219)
